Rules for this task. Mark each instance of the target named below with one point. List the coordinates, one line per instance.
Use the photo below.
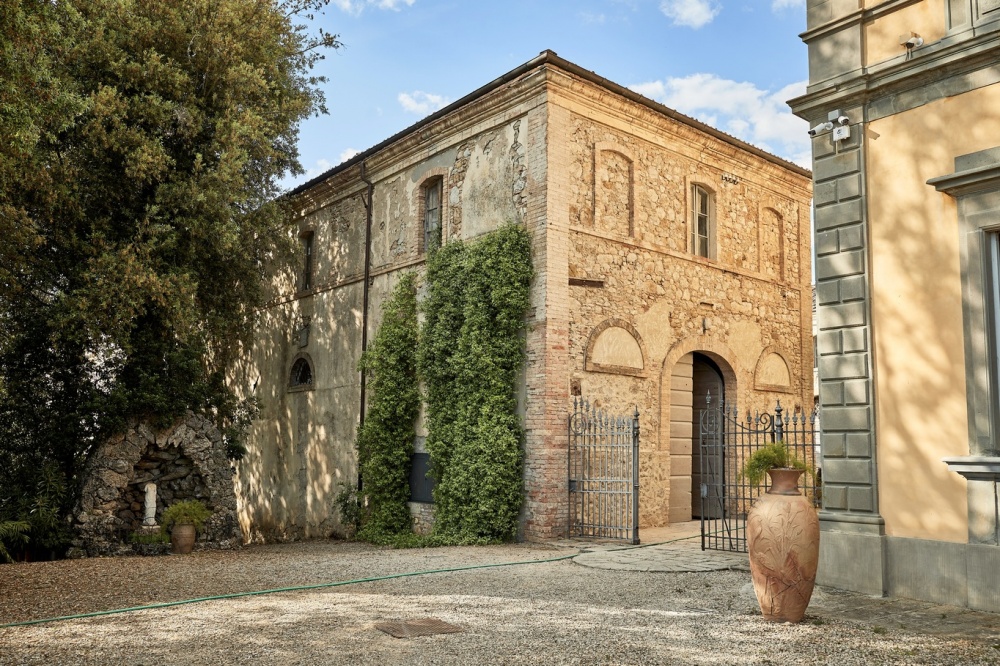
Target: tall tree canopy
(143, 142)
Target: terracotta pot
(182, 539)
(783, 540)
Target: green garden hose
(168, 604)
(297, 588)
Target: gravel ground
(547, 613)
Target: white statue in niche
(150, 518)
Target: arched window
(302, 374)
(432, 214)
(702, 221)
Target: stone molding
(958, 63)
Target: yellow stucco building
(904, 101)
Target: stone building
(670, 259)
(907, 208)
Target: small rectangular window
(701, 221)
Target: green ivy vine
(467, 354)
(471, 350)
(385, 441)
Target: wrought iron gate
(603, 474)
(726, 440)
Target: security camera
(911, 41)
(819, 129)
(843, 120)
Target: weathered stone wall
(601, 184)
(302, 452)
(186, 462)
(631, 274)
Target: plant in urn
(782, 535)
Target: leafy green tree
(143, 146)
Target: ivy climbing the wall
(471, 350)
(385, 441)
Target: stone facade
(907, 205)
(187, 461)
(602, 179)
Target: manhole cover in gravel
(428, 626)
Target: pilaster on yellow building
(905, 100)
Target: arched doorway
(707, 380)
(693, 376)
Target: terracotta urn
(783, 540)
(182, 538)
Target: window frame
(975, 186)
(695, 189)
(306, 386)
(305, 280)
(965, 14)
(428, 242)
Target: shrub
(12, 532)
(775, 455)
(385, 440)
(187, 512)
(471, 353)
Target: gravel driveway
(543, 613)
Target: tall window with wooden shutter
(432, 215)
(702, 222)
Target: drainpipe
(367, 201)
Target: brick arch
(595, 334)
(710, 347)
(674, 441)
(417, 205)
(305, 358)
(760, 383)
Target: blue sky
(730, 64)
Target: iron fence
(726, 439)
(603, 474)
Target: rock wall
(187, 461)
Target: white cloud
(422, 103)
(356, 7)
(347, 154)
(321, 166)
(590, 17)
(759, 117)
(691, 13)
(778, 5)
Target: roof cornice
(545, 58)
